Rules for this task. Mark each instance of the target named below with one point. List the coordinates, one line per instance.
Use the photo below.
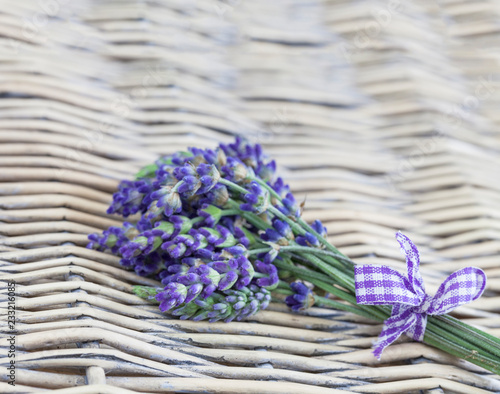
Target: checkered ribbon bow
(381, 285)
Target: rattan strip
(62, 173)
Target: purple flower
(217, 196)
(271, 281)
(131, 197)
(319, 228)
(196, 180)
(235, 270)
(289, 207)
(280, 233)
(172, 296)
(307, 240)
(219, 237)
(195, 243)
(208, 176)
(234, 170)
(113, 238)
(227, 305)
(302, 299)
(211, 214)
(257, 200)
(196, 281)
(168, 199)
(145, 265)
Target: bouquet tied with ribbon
(223, 234)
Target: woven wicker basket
(382, 115)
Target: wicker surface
(381, 119)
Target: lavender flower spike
(302, 299)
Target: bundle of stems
(222, 235)
(332, 271)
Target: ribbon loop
(381, 285)
(461, 287)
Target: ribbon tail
(392, 330)
(417, 331)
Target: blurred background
(382, 115)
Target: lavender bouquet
(223, 234)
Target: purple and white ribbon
(381, 285)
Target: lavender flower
(168, 199)
(228, 305)
(234, 170)
(211, 214)
(235, 269)
(113, 238)
(270, 282)
(257, 200)
(319, 228)
(131, 197)
(308, 240)
(145, 265)
(197, 281)
(172, 296)
(281, 233)
(217, 196)
(302, 299)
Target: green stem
(338, 276)
(467, 333)
(297, 248)
(323, 301)
(230, 212)
(299, 220)
(250, 217)
(467, 353)
(233, 186)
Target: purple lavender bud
(217, 196)
(232, 251)
(280, 187)
(271, 236)
(227, 280)
(289, 207)
(146, 265)
(182, 224)
(257, 198)
(208, 290)
(208, 275)
(205, 253)
(113, 238)
(266, 171)
(193, 292)
(129, 199)
(163, 229)
(209, 177)
(185, 170)
(234, 170)
(134, 248)
(172, 296)
(174, 249)
(211, 214)
(302, 299)
(271, 281)
(154, 212)
(319, 228)
(189, 185)
(307, 240)
(283, 229)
